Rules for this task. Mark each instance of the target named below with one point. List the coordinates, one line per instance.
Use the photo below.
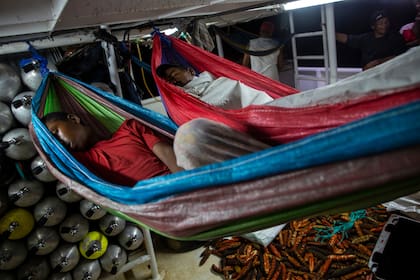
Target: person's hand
(375, 62)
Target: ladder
(329, 48)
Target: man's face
(70, 132)
(179, 76)
(381, 26)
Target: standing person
(411, 31)
(376, 46)
(268, 65)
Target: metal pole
(112, 63)
(294, 51)
(332, 51)
(219, 46)
(151, 252)
(325, 45)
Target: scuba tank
(6, 118)
(90, 210)
(61, 276)
(131, 237)
(17, 144)
(16, 224)
(12, 254)
(64, 258)
(50, 211)
(93, 245)
(111, 225)
(113, 259)
(42, 241)
(66, 194)
(25, 193)
(31, 72)
(10, 83)
(21, 107)
(7, 275)
(74, 228)
(4, 202)
(40, 171)
(34, 269)
(87, 270)
(7, 170)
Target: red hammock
(267, 123)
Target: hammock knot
(162, 36)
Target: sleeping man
(135, 152)
(221, 92)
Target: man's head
(175, 74)
(69, 130)
(266, 29)
(379, 22)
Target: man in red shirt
(134, 152)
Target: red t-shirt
(127, 156)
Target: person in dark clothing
(377, 46)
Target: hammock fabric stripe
(269, 124)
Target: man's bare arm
(165, 153)
(341, 37)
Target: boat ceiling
(27, 19)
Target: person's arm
(156, 143)
(378, 61)
(245, 60)
(165, 153)
(341, 37)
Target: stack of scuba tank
(47, 230)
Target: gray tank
(34, 269)
(64, 258)
(74, 228)
(42, 241)
(10, 83)
(18, 145)
(6, 118)
(25, 193)
(87, 270)
(12, 254)
(114, 259)
(50, 211)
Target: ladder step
(309, 57)
(308, 34)
(310, 78)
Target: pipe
(219, 46)
(112, 63)
(332, 50)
